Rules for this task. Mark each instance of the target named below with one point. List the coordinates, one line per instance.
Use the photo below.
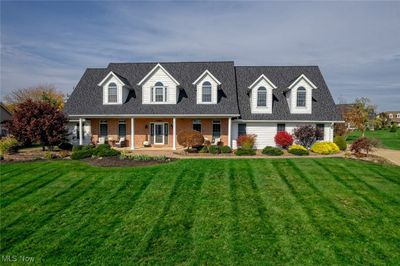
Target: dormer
(115, 90)
(159, 87)
(299, 95)
(261, 95)
(206, 88)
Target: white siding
(214, 90)
(159, 76)
(253, 98)
(293, 98)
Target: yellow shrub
(297, 147)
(325, 147)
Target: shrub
(241, 152)
(363, 144)
(393, 128)
(190, 138)
(325, 147)
(306, 135)
(9, 145)
(272, 151)
(142, 157)
(77, 148)
(49, 155)
(298, 150)
(340, 141)
(283, 139)
(246, 141)
(214, 149)
(64, 154)
(204, 149)
(65, 146)
(81, 154)
(104, 150)
(225, 149)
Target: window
(197, 125)
(112, 93)
(280, 127)
(159, 93)
(390, 115)
(301, 97)
(398, 115)
(320, 128)
(216, 133)
(242, 129)
(121, 129)
(262, 97)
(103, 128)
(206, 92)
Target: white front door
(158, 133)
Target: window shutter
(152, 133)
(166, 93)
(151, 94)
(166, 133)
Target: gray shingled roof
(323, 106)
(87, 96)
(233, 93)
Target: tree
(45, 93)
(39, 122)
(382, 120)
(307, 135)
(360, 114)
(190, 138)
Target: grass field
(260, 211)
(388, 140)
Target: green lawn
(243, 211)
(389, 140)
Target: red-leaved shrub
(246, 141)
(283, 139)
(363, 144)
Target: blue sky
(356, 45)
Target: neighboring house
(5, 114)
(394, 116)
(152, 102)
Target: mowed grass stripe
(18, 232)
(212, 225)
(15, 170)
(334, 211)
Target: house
(5, 115)
(394, 116)
(149, 103)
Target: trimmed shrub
(190, 138)
(106, 152)
(325, 147)
(363, 144)
(103, 150)
(9, 145)
(77, 148)
(214, 149)
(204, 149)
(283, 139)
(241, 152)
(393, 128)
(272, 151)
(340, 141)
(298, 150)
(65, 146)
(225, 149)
(246, 141)
(81, 154)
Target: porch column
(174, 133)
(132, 133)
(229, 131)
(80, 132)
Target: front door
(159, 133)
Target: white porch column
(230, 132)
(80, 132)
(132, 133)
(174, 133)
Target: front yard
(247, 211)
(388, 140)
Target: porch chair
(120, 143)
(102, 140)
(216, 141)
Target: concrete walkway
(391, 155)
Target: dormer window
(301, 97)
(262, 97)
(206, 92)
(159, 92)
(390, 116)
(112, 93)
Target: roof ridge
(173, 62)
(281, 66)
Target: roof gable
(262, 77)
(302, 77)
(206, 73)
(158, 66)
(111, 74)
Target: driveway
(391, 155)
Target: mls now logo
(9, 258)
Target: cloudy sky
(356, 45)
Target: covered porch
(150, 133)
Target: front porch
(149, 133)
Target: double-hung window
(206, 92)
(301, 97)
(159, 93)
(121, 129)
(112, 93)
(216, 129)
(242, 129)
(280, 127)
(103, 128)
(262, 97)
(197, 125)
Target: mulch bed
(116, 162)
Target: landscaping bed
(117, 162)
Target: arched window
(206, 92)
(112, 93)
(262, 97)
(159, 92)
(301, 97)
